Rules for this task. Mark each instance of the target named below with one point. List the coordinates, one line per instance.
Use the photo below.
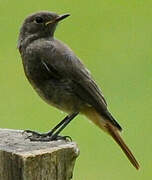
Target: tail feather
(112, 120)
(111, 128)
(115, 134)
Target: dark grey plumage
(54, 71)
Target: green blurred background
(114, 40)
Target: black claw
(35, 134)
(52, 135)
(48, 138)
(40, 139)
(45, 137)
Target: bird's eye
(39, 20)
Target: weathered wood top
(21, 159)
(16, 141)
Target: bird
(62, 80)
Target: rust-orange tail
(107, 126)
(115, 134)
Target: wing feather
(66, 65)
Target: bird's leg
(35, 133)
(54, 133)
(67, 121)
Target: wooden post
(21, 159)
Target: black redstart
(61, 79)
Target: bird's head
(41, 24)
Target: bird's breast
(56, 92)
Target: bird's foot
(34, 133)
(45, 137)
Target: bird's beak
(59, 18)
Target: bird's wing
(69, 66)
